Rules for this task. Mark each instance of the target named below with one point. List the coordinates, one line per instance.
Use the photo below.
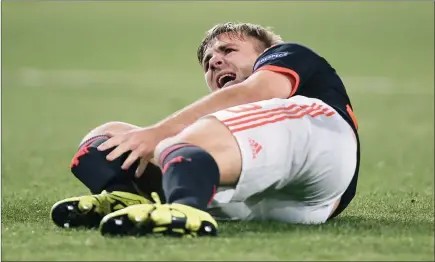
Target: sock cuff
(92, 139)
(190, 175)
(171, 149)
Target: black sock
(91, 167)
(121, 184)
(190, 175)
(150, 181)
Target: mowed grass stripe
(80, 78)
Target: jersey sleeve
(294, 60)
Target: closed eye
(206, 64)
(229, 50)
(225, 50)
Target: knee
(113, 126)
(214, 138)
(163, 145)
(193, 134)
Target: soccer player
(276, 139)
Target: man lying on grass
(275, 139)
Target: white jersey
(299, 156)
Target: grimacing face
(229, 60)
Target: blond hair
(265, 35)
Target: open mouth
(226, 79)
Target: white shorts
(299, 156)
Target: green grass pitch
(70, 66)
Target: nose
(216, 61)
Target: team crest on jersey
(271, 57)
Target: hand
(141, 142)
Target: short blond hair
(264, 34)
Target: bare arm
(262, 85)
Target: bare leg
(215, 138)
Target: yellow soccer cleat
(167, 219)
(87, 211)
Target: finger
(110, 133)
(141, 168)
(153, 161)
(118, 151)
(111, 142)
(132, 157)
